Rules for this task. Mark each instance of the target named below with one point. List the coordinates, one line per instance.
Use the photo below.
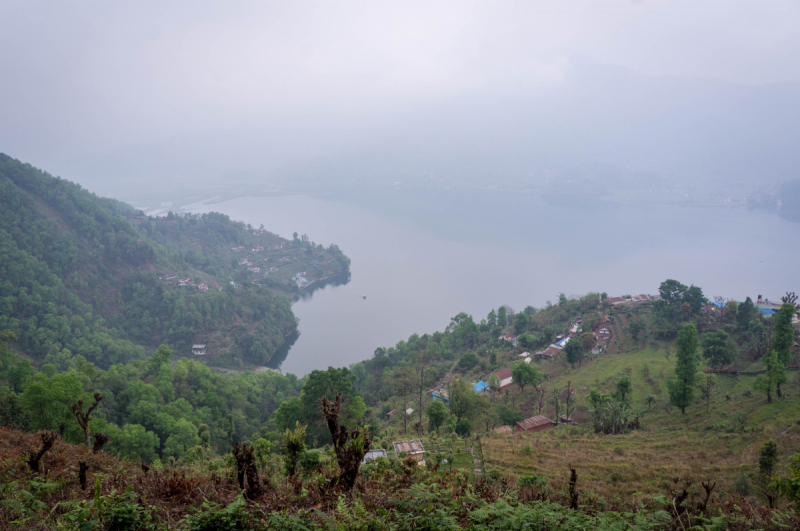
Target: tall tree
(775, 375)
(706, 383)
(745, 312)
(462, 399)
(502, 318)
(404, 383)
(681, 389)
(437, 414)
(783, 337)
(573, 351)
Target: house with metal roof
(537, 423)
(413, 448)
(371, 455)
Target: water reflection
(335, 280)
(280, 354)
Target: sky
(91, 84)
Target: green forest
(82, 278)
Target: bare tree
(48, 440)
(84, 418)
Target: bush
(310, 460)
(463, 427)
(233, 517)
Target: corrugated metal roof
(534, 422)
(504, 429)
(413, 446)
(373, 454)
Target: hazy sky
(83, 78)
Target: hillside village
(604, 335)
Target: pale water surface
(421, 257)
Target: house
(505, 430)
(510, 337)
(237, 249)
(203, 288)
(480, 386)
(409, 411)
(169, 276)
(537, 423)
(441, 394)
(561, 344)
(391, 414)
(546, 354)
(413, 448)
(504, 375)
(617, 300)
(371, 455)
(198, 350)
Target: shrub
(233, 517)
(463, 427)
(310, 460)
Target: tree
(521, 322)
(681, 389)
(745, 312)
(695, 298)
(767, 458)
(775, 375)
(491, 319)
(467, 361)
(508, 416)
(527, 340)
(671, 291)
(636, 327)
(717, 348)
(493, 381)
(184, 436)
(48, 401)
(623, 388)
(649, 399)
(403, 385)
(523, 374)
(587, 342)
(706, 383)
(573, 351)
(462, 398)
(133, 442)
(502, 318)
(783, 337)
(437, 414)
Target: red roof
(534, 422)
(503, 374)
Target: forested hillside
(88, 278)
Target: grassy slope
(696, 445)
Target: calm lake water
(421, 257)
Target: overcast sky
(84, 78)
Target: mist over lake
(422, 256)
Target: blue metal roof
(766, 311)
(480, 386)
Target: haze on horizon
(124, 96)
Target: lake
(422, 256)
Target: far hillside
(90, 278)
